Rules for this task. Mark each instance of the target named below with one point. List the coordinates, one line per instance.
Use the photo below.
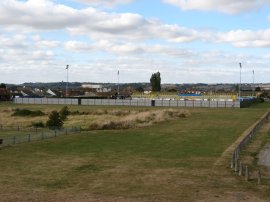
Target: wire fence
(236, 165)
(38, 135)
(21, 128)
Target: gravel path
(264, 156)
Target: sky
(187, 41)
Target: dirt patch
(264, 156)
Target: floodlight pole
(118, 84)
(253, 87)
(240, 82)
(67, 80)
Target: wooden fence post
(29, 137)
(14, 139)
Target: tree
(2, 85)
(64, 112)
(257, 89)
(55, 121)
(155, 81)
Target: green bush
(39, 124)
(27, 112)
(64, 112)
(55, 121)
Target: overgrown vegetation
(27, 112)
(130, 119)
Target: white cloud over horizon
(45, 35)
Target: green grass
(168, 161)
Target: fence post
(247, 174)
(18, 128)
(42, 135)
(232, 162)
(29, 137)
(54, 133)
(14, 139)
(259, 178)
(236, 165)
(240, 169)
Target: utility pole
(67, 81)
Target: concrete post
(232, 162)
(240, 169)
(259, 178)
(236, 165)
(247, 174)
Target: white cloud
(224, 6)
(45, 15)
(246, 38)
(135, 44)
(128, 49)
(108, 3)
(42, 15)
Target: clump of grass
(110, 125)
(87, 168)
(27, 112)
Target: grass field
(173, 160)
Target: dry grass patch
(138, 119)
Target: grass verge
(169, 161)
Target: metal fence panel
(173, 103)
(197, 103)
(221, 104)
(133, 102)
(181, 103)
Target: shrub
(27, 112)
(39, 124)
(55, 121)
(64, 112)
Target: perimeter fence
(236, 164)
(130, 102)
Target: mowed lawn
(169, 161)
